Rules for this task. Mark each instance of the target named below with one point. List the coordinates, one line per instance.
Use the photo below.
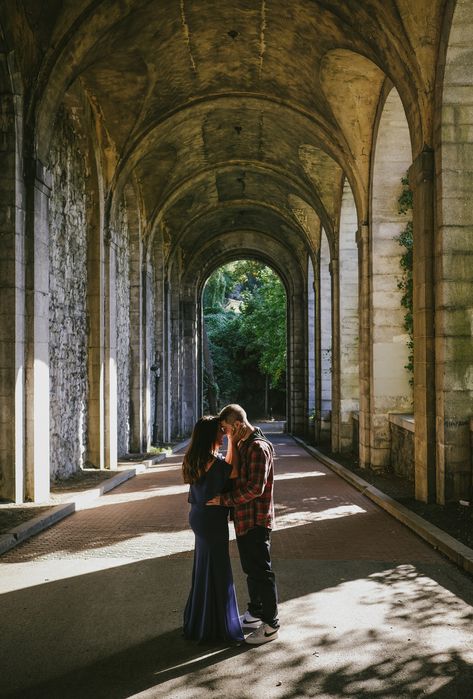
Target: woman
(211, 611)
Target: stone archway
(389, 381)
(241, 245)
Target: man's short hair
(233, 412)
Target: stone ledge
(34, 526)
(404, 420)
(452, 548)
(80, 499)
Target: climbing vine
(405, 281)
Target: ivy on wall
(405, 281)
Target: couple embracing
(243, 481)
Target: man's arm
(258, 470)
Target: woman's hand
(214, 501)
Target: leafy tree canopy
(245, 319)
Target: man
(252, 500)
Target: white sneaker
(250, 621)
(263, 634)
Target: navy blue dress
(211, 611)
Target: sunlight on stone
(115, 498)
(295, 519)
(301, 474)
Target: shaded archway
(389, 385)
(223, 248)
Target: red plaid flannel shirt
(252, 493)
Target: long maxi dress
(211, 612)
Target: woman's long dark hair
(199, 453)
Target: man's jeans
(254, 548)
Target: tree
(247, 339)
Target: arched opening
(389, 384)
(349, 320)
(244, 340)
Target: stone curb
(34, 526)
(452, 548)
(111, 483)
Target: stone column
(362, 240)
(421, 180)
(348, 275)
(318, 356)
(311, 362)
(12, 308)
(189, 401)
(110, 383)
(137, 440)
(297, 364)
(37, 327)
(325, 341)
(96, 366)
(335, 431)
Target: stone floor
(92, 607)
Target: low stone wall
(402, 445)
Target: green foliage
(264, 324)
(245, 317)
(405, 282)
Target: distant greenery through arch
(244, 338)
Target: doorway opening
(244, 340)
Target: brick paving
(350, 576)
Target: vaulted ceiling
(231, 115)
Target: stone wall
(122, 240)
(68, 301)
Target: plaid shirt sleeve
(258, 468)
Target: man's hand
(214, 501)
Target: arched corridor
(367, 608)
(144, 143)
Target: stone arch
(454, 256)
(244, 244)
(349, 319)
(389, 381)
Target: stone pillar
(110, 383)
(335, 284)
(12, 309)
(297, 364)
(318, 356)
(348, 275)
(37, 325)
(421, 180)
(189, 363)
(311, 362)
(149, 343)
(362, 240)
(137, 378)
(325, 341)
(96, 366)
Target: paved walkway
(92, 607)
